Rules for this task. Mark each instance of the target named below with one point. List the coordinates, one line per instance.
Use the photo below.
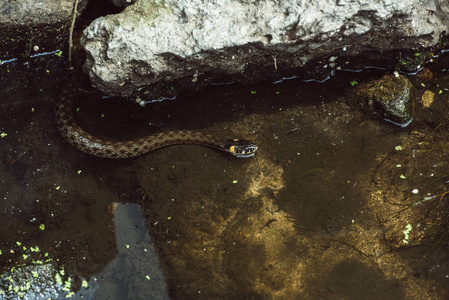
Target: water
(324, 203)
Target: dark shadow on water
(357, 280)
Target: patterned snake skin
(87, 143)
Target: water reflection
(135, 272)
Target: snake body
(89, 144)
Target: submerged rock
(390, 97)
(36, 281)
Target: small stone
(427, 98)
(389, 97)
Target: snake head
(240, 148)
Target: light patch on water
(135, 271)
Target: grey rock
(32, 12)
(34, 281)
(390, 97)
(200, 41)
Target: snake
(105, 148)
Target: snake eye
(241, 148)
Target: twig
(439, 125)
(441, 199)
(421, 201)
(72, 27)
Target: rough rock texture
(204, 40)
(32, 12)
(390, 97)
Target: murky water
(324, 210)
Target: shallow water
(320, 211)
